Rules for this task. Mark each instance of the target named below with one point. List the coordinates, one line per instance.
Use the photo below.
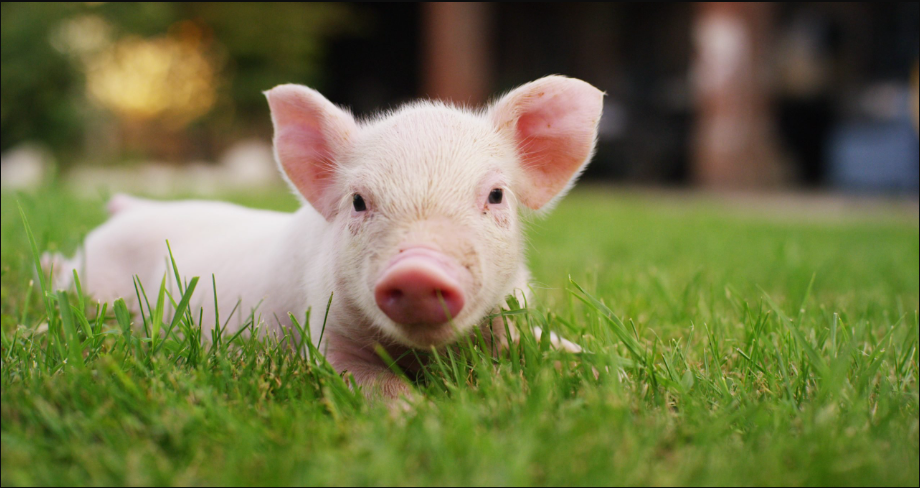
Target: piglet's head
(424, 201)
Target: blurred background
(167, 97)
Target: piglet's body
(412, 221)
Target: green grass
(730, 349)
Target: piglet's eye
(359, 204)
(495, 196)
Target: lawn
(721, 347)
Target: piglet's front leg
(369, 371)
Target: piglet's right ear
(310, 135)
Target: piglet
(411, 219)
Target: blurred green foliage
(37, 83)
(257, 46)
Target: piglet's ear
(553, 122)
(310, 135)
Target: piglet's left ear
(553, 122)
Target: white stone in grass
(249, 163)
(25, 167)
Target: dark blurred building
(722, 95)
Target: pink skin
(420, 287)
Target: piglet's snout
(420, 286)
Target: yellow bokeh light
(168, 78)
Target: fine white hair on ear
(553, 124)
(311, 133)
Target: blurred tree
(254, 47)
(37, 83)
(270, 44)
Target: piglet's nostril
(443, 297)
(388, 298)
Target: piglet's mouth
(421, 289)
